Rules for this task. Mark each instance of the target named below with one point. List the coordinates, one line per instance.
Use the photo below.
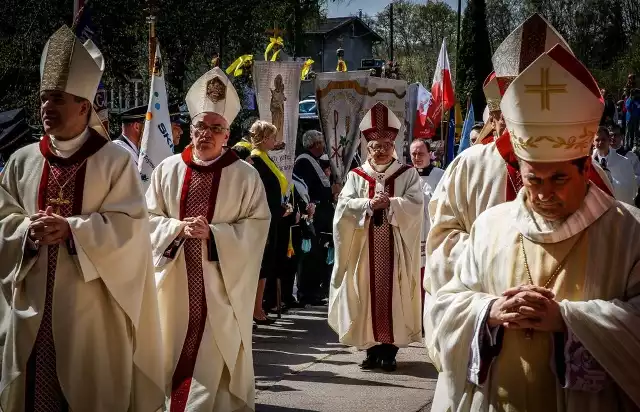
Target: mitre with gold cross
(70, 66)
(523, 46)
(553, 108)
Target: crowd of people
(517, 266)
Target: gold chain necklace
(528, 334)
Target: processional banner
(343, 99)
(277, 86)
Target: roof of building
(330, 24)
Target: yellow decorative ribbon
(342, 66)
(239, 64)
(306, 68)
(273, 42)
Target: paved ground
(300, 367)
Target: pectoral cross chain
(59, 202)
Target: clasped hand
(48, 228)
(380, 201)
(527, 307)
(196, 228)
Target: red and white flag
(442, 97)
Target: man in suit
(132, 128)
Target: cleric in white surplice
(209, 221)
(374, 299)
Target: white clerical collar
(200, 162)
(599, 156)
(385, 170)
(537, 229)
(66, 148)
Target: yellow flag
(459, 122)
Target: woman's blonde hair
(260, 130)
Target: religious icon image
(216, 90)
(277, 107)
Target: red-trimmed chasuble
(198, 198)
(61, 187)
(381, 262)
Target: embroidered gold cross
(59, 202)
(545, 89)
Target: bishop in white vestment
(543, 313)
(374, 299)
(209, 225)
(484, 175)
(84, 332)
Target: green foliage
(189, 31)
(418, 33)
(475, 55)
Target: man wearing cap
(542, 313)
(177, 122)
(485, 175)
(84, 332)
(374, 298)
(132, 129)
(209, 225)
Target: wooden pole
(391, 31)
(458, 36)
(152, 8)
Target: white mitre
(523, 46)
(69, 66)
(213, 92)
(380, 122)
(553, 108)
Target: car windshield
(307, 107)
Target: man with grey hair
(313, 273)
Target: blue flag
(84, 28)
(451, 137)
(469, 121)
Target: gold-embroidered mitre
(493, 89)
(553, 108)
(523, 46)
(213, 92)
(69, 66)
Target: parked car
(307, 109)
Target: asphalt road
(301, 367)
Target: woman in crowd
(263, 139)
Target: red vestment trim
(381, 263)
(43, 391)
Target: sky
(370, 7)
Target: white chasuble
(374, 295)
(594, 365)
(429, 178)
(483, 176)
(84, 331)
(206, 288)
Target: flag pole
(152, 8)
(442, 121)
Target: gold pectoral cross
(58, 202)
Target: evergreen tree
(474, 62)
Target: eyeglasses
(381, 147)
(202, 128)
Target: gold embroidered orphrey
(545, 89)
(572, 142)
(216, 90)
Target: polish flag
(442, 95)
